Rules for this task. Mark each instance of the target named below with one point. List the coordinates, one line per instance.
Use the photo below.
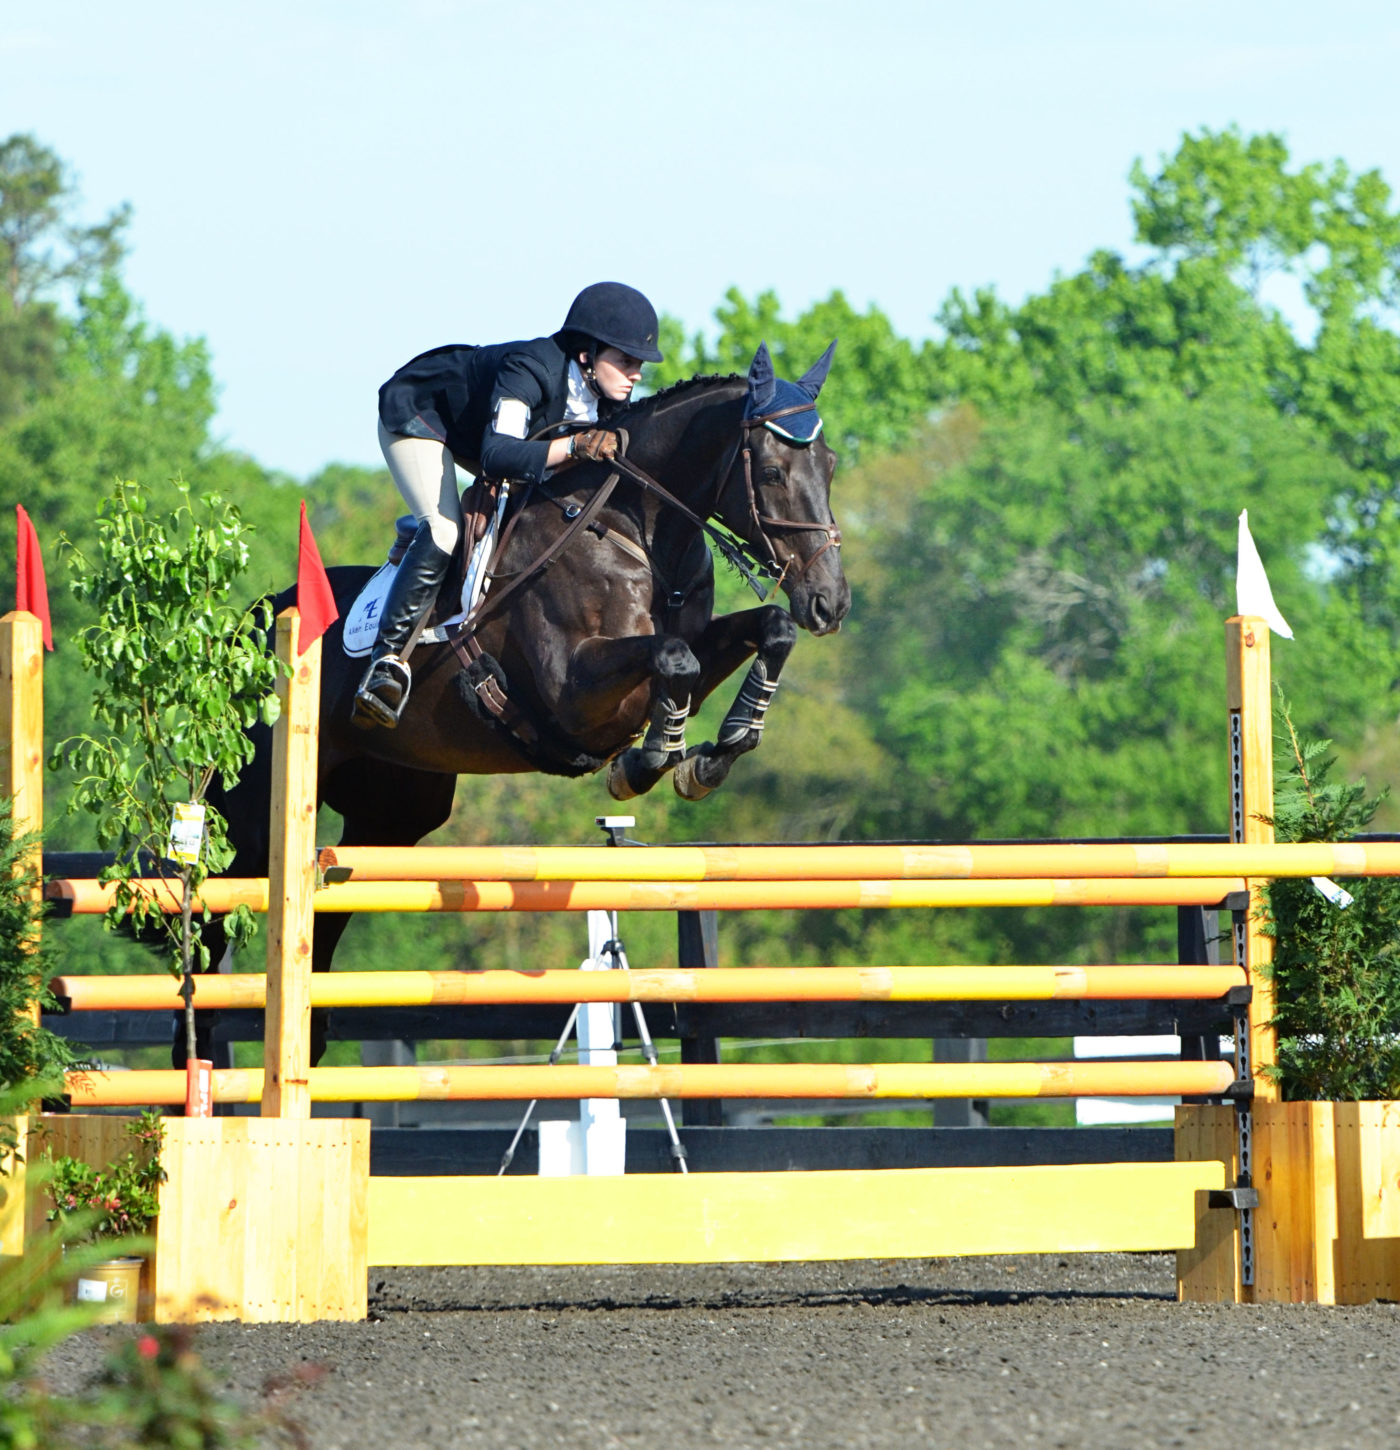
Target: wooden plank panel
(336, 1285)
(1207, 1272)
(1366, 1267)
(274, 1211)
(741, 1217)
(1296, 1235)
(200, 1253)
(1377, 1125)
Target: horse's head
(778, 495)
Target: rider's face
(616, 373)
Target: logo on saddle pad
(362, 620)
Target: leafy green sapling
(181, 675)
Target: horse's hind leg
(769, 634)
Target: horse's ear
(811, 381)
(762, 384)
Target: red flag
(314, 597)
(31, 588)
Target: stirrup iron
(390, 675)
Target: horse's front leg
(769, 634)
(668, 670)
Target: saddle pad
(362, 621)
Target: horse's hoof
(619, 787)
(687, 782)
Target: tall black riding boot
(384, 690)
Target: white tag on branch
(186, 832)
(1334, 893)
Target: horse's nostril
(821, 615)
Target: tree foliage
(42, 252)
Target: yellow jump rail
(853, 863)
(727, 1080)
(87, 897)
(716, 984)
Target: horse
(597, 639)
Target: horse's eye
(772, 474)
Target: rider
(480, 407)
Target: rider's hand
(597, 444)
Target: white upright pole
(602, 1128)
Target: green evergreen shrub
(1336, 969)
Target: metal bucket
(112, 1289)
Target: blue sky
(323, 189)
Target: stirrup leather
(383, 692)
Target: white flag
(1252, 592)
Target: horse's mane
(644, 407)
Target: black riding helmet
(616, 315)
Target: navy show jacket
(450, 394)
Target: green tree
(42, 252)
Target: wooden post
(1250, 698)
(291, 879)
(22, 781)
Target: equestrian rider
(481, 407)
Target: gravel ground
(1089, 1350)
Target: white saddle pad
(362, 622)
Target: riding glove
(597, 444)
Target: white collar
(581, 405)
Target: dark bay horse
(603, 653)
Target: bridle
(763, 522)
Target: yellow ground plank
(768, 1217)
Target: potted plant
(117, 1202)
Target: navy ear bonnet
(768, 394)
